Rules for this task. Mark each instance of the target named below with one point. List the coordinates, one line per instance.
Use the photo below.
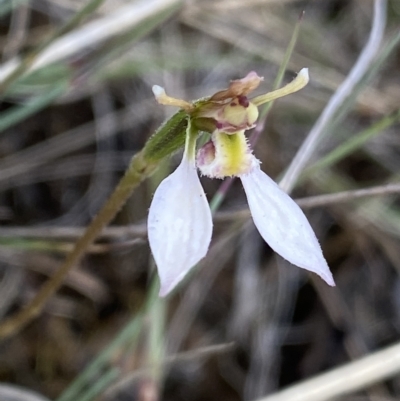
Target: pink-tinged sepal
(283, 225)
(179, 225)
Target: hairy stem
(138, 170)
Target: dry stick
(136, 173)
(305, 203)
(357, 72)
(346, 379)
(140, 230)
(72, 233)
(347, 196)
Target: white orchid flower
(180, 221)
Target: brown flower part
(239, 87)
(230, 110)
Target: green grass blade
(282, 68)
(19, 113)
(100, 385)
(128, 335)
(116, 46)
(81, 388)
(351, 145)
(29, 59)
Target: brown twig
(140, 230)
(347, 196)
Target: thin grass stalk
(156, 314)
(381, 58)
(348, 196)
(346, 379)
(186, 356)
(99, 385)
(91, 34)
(352, 144)
(362, 65)
(82, 387)
(26, 63)
(220, 195)
(128, 336)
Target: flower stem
(190, 142)
(138, 170)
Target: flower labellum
(180, 222)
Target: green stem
(138, 170)
(190, 142)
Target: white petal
(283, 225)
(179, 225)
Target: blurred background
(76, 104)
